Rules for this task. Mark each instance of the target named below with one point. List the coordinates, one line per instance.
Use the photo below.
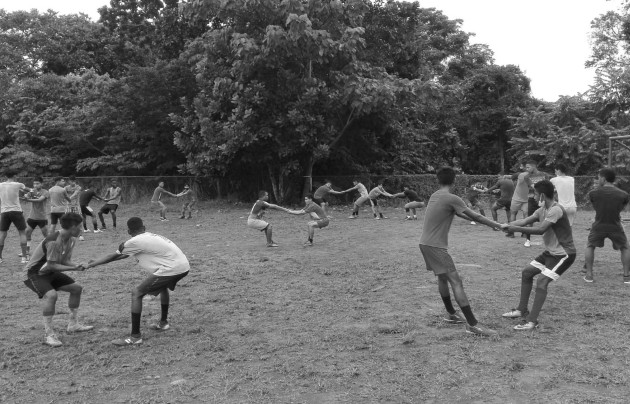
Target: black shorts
(319, 201)
(437, 259)
(33, 223)
(55, 216)
(532, 206)
(153, 285)
(374, 201)
(504, 203)
(552, 266)
(86, 210)
(618, 237)
(109, 207)
(41, 284)
(15, 217)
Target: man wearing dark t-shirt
(505, 187)
(318, 216)
(558, 256)
(414, 202)
(608, 202)
(85, 197)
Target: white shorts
(257, 224)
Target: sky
(547, 39)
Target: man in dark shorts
(37, 218)
(112, 198)
(45, 277)
(255, 218)
(59, 200)
(318, 216)
(558, 256)
(85, 197)
(608, 202)
(11, 212)
(160, 257)
(441, 208)
(414, 202)
(505, 187)
(320, 196)
(472, 195)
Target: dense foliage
(273, 92)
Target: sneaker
(384, 217)
(272, 245)
(81, 238)
(626, 279)
(536, 243)
(165, 220)
(352, 217)
(473, 222)
(588, 278)
(454, 319)
(308, 243)
(1, 261)
(87, 231)
(127, 341)
(182, 217)
(514, 313)
(408, 218)
(510, 235)
(160, 326)
(480, 330)
(190, 217)
(52, 340)
(77, 327)
(527, 243)
(98, 231)
(526, 326)
(25, 260)
(415, 218)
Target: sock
(135, 324)
(448, 304)
(73, 316)
(48, 325)
(381, 215)
(407, 210)
(539, 300)
(375, 215)
(164, 313)
(1, 248)
(526, 290)
(310, 239)
(470, 317)
(95, 226)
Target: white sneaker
(25, 260)
(81, 238)
(87, 231)
(98, 231)
(53, 341)
(77, 327)
(473, 223)
(527, 243)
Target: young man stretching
(363, 197)
(414, 202)
(505, 187)
(190, 201)
(320, 196)
(558, 256)
(45, 277)
(167, 265)
(318, 216)
(255, 220)
(59, 202)
(156, 200)
(608, 202)
(85, 197)
(441, 208)
(112, 199)
(37, 218)
(375, 192)
(11, 212)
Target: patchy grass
(356, 318)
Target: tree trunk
(274, 183)
(308, 176)
(501, 152)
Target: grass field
(354, 319)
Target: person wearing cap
(166, 264)
(190, 201)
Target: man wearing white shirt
(157, 255)
(565, 188)
(11, 212)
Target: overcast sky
(548, 39)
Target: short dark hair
(608, 174)
(309, 196)
(446, 176)
(57, 179)
(262, 193)
(561, 167)
(70, 219)
(135, 224)
(38, 179)
(545, 187)
(532, 163)
(72, 178)
(10, 173)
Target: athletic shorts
(153, 285)
(362, 200)
(55, 216)
(319, 201)
(109, 207)
(87, 211)
(374, 201)
(437, 260)
(552, 266)
(73, 209)
(532, 206)
(189, 205)
(41, 284)
(515, 206)
(503, 203)
(474, 200)
(33, 223)
(319, 223)
(414, 205)
(257, 224)
(618, 237)
(15, 217)
(158, 203)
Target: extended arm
(106, 259)
(471, 215)
(40, 199)
(52, 266)
(295, 212)
(515, 226)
